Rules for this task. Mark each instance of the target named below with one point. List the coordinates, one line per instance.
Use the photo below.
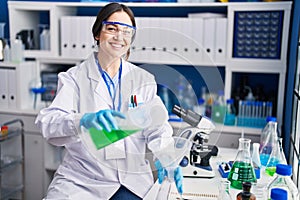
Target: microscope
(196, 163)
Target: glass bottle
(242, 169)
(230, 113)
(224, 193)
(246, 193)
(268, 142)
(256, 159)
(278, 194)
(264, 132)
(200, 107)
(219, 108)
(277, 157)
(284, 181)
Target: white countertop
(196, 188)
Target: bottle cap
(284, 170)
(201, 101)
(229, 101)
(278, 193)
(246, 186)
(271, 119)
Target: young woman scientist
(94, 94)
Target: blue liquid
(264, 158)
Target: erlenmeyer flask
(270, 140)
(276, 157)
(242, 169)
(224, 193)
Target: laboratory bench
(42, 159)
(196, 188)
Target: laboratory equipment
(37, 89)
(200, 107)
(44, 37)
(170, 151)
(27, 38)
(148, 115)
(219, 108)
(259, 189)
(278, 194)
(256, 159)
(284, 181)
(12, 155)
(196, 162)
(270, 140)
(230, 113)
(224, 193)
(242, 169)
(277, 157)
(246, 193)
(17, 48)
(265, 130)
(6, 52)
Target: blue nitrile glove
(162, 173)
(103, 119)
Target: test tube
(269, 107)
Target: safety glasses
(114, 28)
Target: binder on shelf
(12, 88)
(209, 40)
(221, 39)
(197, 35)
(3, 88)
(65, 28)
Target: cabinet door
(34, 166)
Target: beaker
(242, 169)
(224, 193)
(2, 24)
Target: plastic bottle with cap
(200, 107)
(230, 113)
(219, 108)
(279, 194)
(284, 181)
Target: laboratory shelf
(6, 193)
(11, 163)
(8, 162)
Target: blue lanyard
(104, 76)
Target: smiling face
(114, 45)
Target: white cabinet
(15, 85)
(34, 166)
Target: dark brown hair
(105, 13)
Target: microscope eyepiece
(188, 116)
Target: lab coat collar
(97, 82)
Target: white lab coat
(82, 176)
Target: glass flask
(269, 141)
(224, 193)
(277, 157)
(284, 181)
(242, 169)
